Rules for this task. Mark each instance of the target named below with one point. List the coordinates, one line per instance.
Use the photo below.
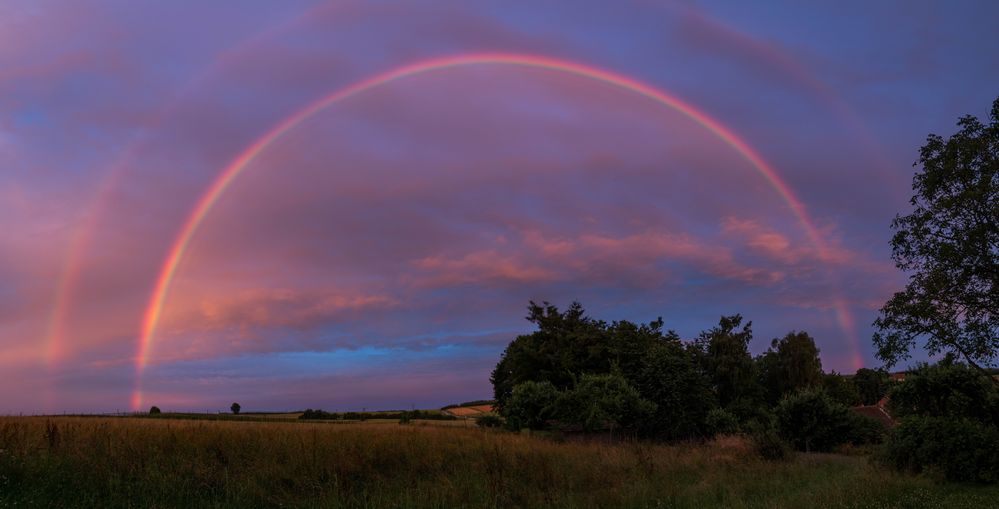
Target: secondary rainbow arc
(225, 178)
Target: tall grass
(123, 462)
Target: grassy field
(130, 462)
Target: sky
(349, 205)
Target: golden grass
(127, 462)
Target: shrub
(769, 445)
(489, 421)
(957, 448)
(863, 430)
(530, 405)
(946, 389)
(155, 410)
(721, 422)
(602, 402)
(811, 421)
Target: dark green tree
(235, 408)
(154, 410)
(569, 344)
(565, 345)
(671, 379)
(791, 363)
(724, 354)
(872, 384)
(949, 247)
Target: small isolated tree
(949, 246)
(154, 410)
(235, 408)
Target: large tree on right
(949, 247)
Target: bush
(863, 430)
(530, 405)
(946, 389)
(959, 449)
(155, 410)
(602, 402)
(811, 421)
(769, 445)
(489, 421)
(721, 422)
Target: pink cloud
(777, 246)
(288, 308)
(590, 258)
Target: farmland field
(128, 462)
(471, 411)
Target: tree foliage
(949, 246)
(530, 405)
(841, 389)
(724, 353)
(791, 363)
(946, 390)
(581, 374)
(671, 378)
(813, 421)
(235, 408)
(872, 384)
(602, 402)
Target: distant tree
(154, 410)
(791, 363)
(235, 408)
(872, 384)
(949, 246)
(724, 353)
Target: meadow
(166, 462)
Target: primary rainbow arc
(222, 182)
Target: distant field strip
(471, 411)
